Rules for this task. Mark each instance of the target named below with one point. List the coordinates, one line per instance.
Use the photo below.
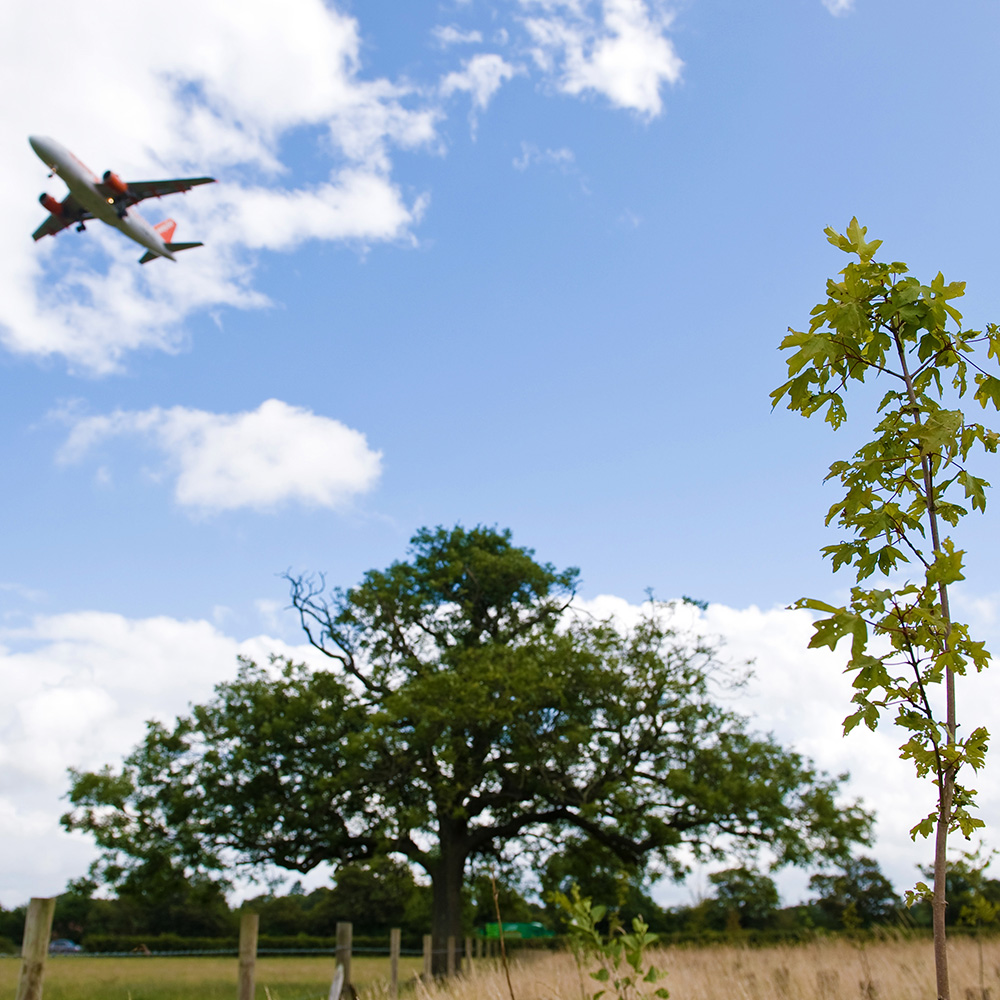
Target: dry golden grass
(832, 970)
(835, 970)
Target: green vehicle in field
(516, 931)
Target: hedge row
(103, 943)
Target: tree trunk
(946, 775)
(939, 904)
(447, 878)
(938, 908)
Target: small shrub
(621, 955)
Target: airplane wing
(137, 191)
(72, 213)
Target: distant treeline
(183, 915)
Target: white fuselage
(83, 185)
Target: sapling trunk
(945, 773)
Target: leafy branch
(900, 494)
(621, 955)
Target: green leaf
(975, 747)
(814, 605)
(854, 241)
(868, 715)
(988, 391)
(918, 894)
(947, 565)
(829, 631)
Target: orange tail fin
(166, 229)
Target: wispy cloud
(839, 7)
(620, 50)
(561, 158)
(481, 77)
(447, 34)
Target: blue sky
(522, 262)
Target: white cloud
(839, 7)
(78, 689)
(561, 158)
(29, 594)
(623, 54)
(224, 100)
(356, 205)
(481, 77)
(259, 459)
(270, 612)
(448, 34)
(980, 611)
(216, 100)
(802, 695)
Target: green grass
(83, 977)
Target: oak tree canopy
(466, 710)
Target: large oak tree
(466, 710)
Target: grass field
(834, 970)
(84, 977)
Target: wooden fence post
(395, 937)
(34, 951)
(468, 954)
(428, 957)
(249, 925)
(345, 931)
(451, 954)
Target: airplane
(110, 199)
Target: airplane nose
(43, 147)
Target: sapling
(902, 491)
(621, 955)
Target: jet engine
(114, 182)
(49, 203)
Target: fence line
(38, 931)
(233, 953)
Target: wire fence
(447, 957)
(228, 953)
